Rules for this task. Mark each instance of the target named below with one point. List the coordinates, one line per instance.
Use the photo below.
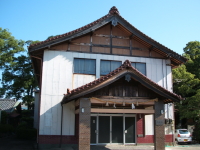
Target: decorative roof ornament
(128, 77)
(113, 11)
(127, 64)
(114, 22)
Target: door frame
(124, 115)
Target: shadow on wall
(50, 124)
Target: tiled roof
(125, 66)
(8, 105)
(113, 11)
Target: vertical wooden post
(110, 38)
(84, 124)
(130, 44)
(91, 34)
(159, 126)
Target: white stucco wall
(149, 125)
(58, 75)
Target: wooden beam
(126, 101)
(106, 46)
(111, 39)
(128, 111)
(113, 36)
(91, 34)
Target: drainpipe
(61, 126)
(173, 127)
(39, 103)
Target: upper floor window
(140, 67)
(84, 66)
(107, 66)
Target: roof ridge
(77, 30)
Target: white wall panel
(159, 72)
(80, 79)
(98, 59)
(69, 118)
(169, 75)
(153, 70)
(164, 73)
(149, 125)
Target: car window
(183, 132)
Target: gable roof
(8, 105)
(114, 17)
(125, 68)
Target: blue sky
(172, 23)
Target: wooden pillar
(159, 126)
(84, 124)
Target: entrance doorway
(111, 129)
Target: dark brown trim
(116, 54)
(91, 34)
(111, 46)
(113, 36)
(130, 46)
(120, 47)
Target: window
(107, 66)
(140, 67)
(84, 66)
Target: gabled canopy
(125, 69)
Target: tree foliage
(186, 82)
(18, 79)
(9, 46)
(192, 53)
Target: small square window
(108, 66)
(84, 66)
(141, 67)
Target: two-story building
(117, 86)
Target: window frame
(110, 65)
(84, 66)
(140, 63)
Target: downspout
(39, 103)
(61, 126)
(173, 127)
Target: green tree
(186, 85)
(9, 46)
(18, 80)
(192, 53)
(186, 82)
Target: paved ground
(16, 144)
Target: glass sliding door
(111, 129)
(93, 125)
(104, 129)
(129, 129)
(117, 129)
